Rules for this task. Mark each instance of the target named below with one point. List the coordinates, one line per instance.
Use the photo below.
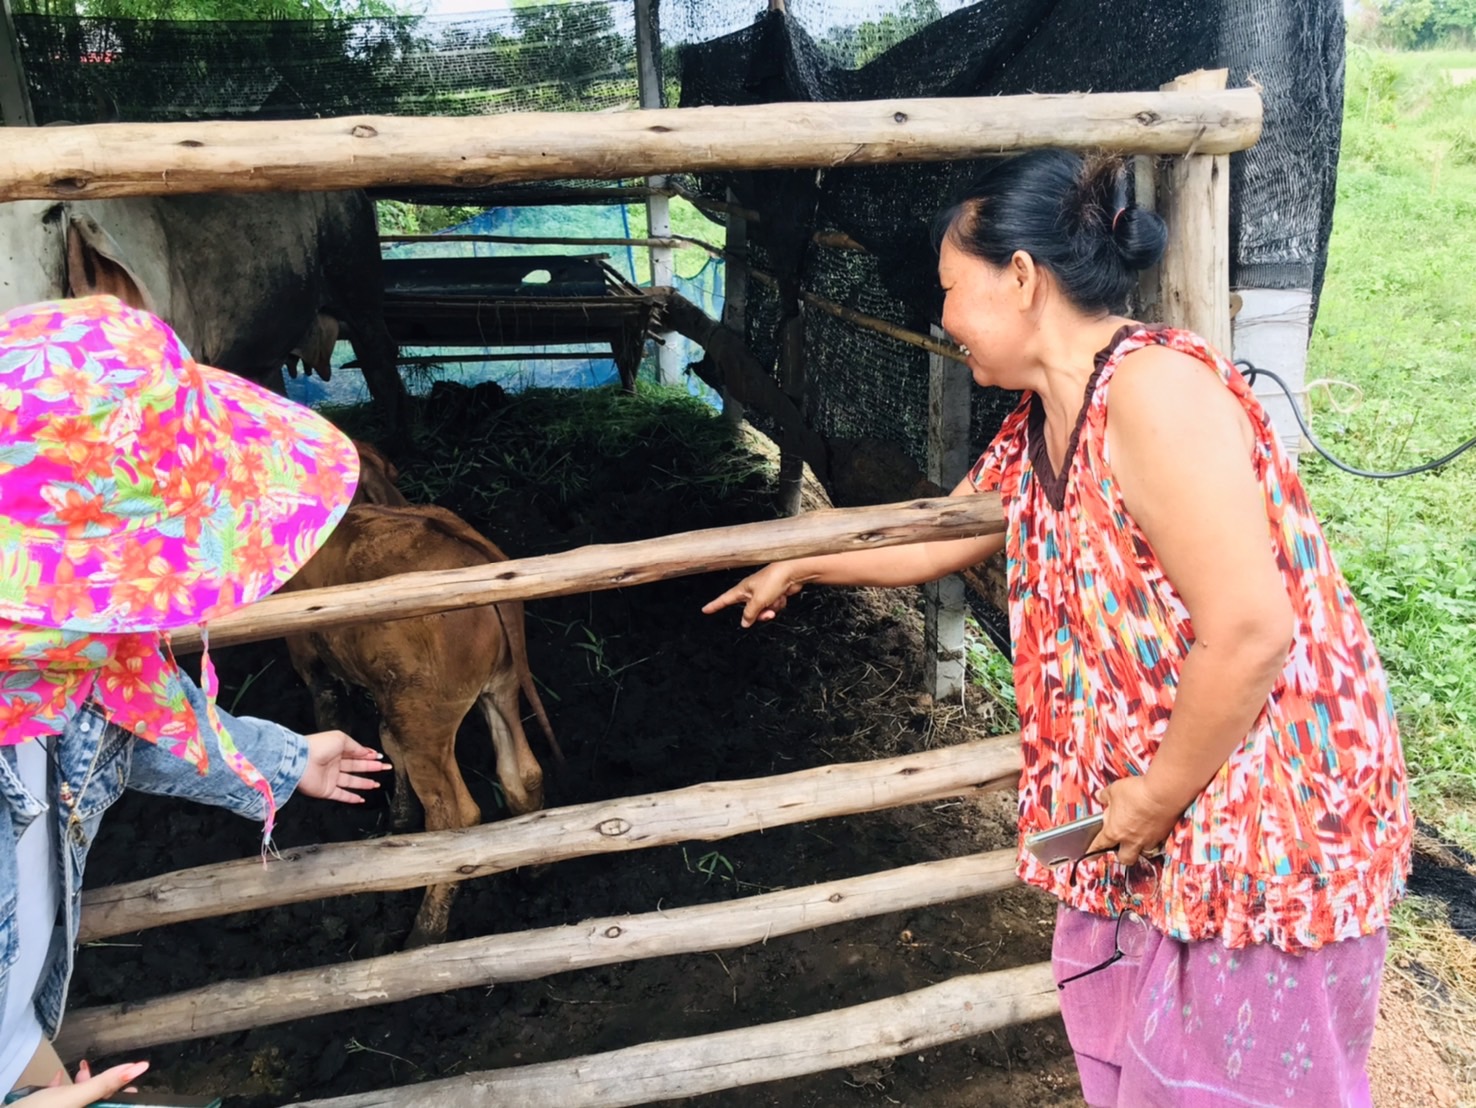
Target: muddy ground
(646, 694)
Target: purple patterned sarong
(1198, 1025)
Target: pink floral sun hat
(141, 492)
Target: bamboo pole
(884, 327)
(140, 159)
(612, 566)
(956, 1009)
(526, 955)
(700, 812)
(721, 207)
(867, 322)
(1194, 199)
(730, 367)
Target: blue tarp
(705, 288)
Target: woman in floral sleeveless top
(1189, 662)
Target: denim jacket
(100, 760)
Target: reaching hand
(87, 1090)
(763, 594)
(334, 759)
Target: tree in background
(568, 45)
(854, 46)
(1423, 24)
(218, 9)
(147, 60)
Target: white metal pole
(658, 208)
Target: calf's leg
(405, 809)
(518, 772)
(426, 741)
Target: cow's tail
(513, 632)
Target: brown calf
(425, 673)
(377, 477)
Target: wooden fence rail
(956, 1009)
(612, 566)
(142, 159)
(700, 812)
(522, 956)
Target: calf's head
(377, 477)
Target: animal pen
(1181, 136)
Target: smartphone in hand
(1066, 843)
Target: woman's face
(988, 310)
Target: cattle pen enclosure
(1183, 134)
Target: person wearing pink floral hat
(140, 492)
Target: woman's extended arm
(765, 593)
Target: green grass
(1398, 321)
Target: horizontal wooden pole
(536, 196)
(859, 319)
(956, 1009)
(535, 240)
(506, 356)
(701, 812)
(592, 568)
(526, 955)
(141, 159)
(883, 327)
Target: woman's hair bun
(1140, 236)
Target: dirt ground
(646, 694)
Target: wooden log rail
(526, 955)
(141, 159)
(701, 812)
(956, 1009)
(612, 566)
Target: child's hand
(333, 761)
(87, 1090)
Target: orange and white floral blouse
(1303, 837)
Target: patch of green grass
(993, 674)
(539, 441)
(1398, 321)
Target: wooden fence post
(792, 379)
(15, 98)
(735, 296)
(1148, 305)
(1194, 199)
(950, 387)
